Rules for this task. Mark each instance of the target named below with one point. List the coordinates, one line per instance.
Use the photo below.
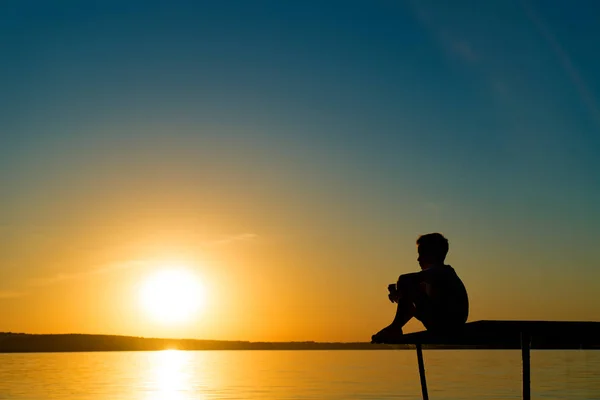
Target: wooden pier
(524, 335)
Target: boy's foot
(388, 335)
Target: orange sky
(268, 276)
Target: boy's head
(432, 249)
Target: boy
(435, 295)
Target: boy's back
(443, 303)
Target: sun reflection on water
(171, 376)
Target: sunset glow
(260, 171)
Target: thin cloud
(9, 294)
(456, 46)
(459, 47)
(243, 237)
(587, 97)
(61, 277)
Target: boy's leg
(424, 312)
(408, 293)
(404, 312)
(409, 297)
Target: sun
(172, 296)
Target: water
(281, 375)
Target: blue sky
(370, 122)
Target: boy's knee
(406, 282)
(403, 279)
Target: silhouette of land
(476, 335)
(25, 343)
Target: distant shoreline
(69, 343)
(27, 343)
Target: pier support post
(422, 372)
(525, 346)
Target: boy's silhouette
(435, 295)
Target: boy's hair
(433, 244)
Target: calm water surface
(175, 375)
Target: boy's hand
(394, 296)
